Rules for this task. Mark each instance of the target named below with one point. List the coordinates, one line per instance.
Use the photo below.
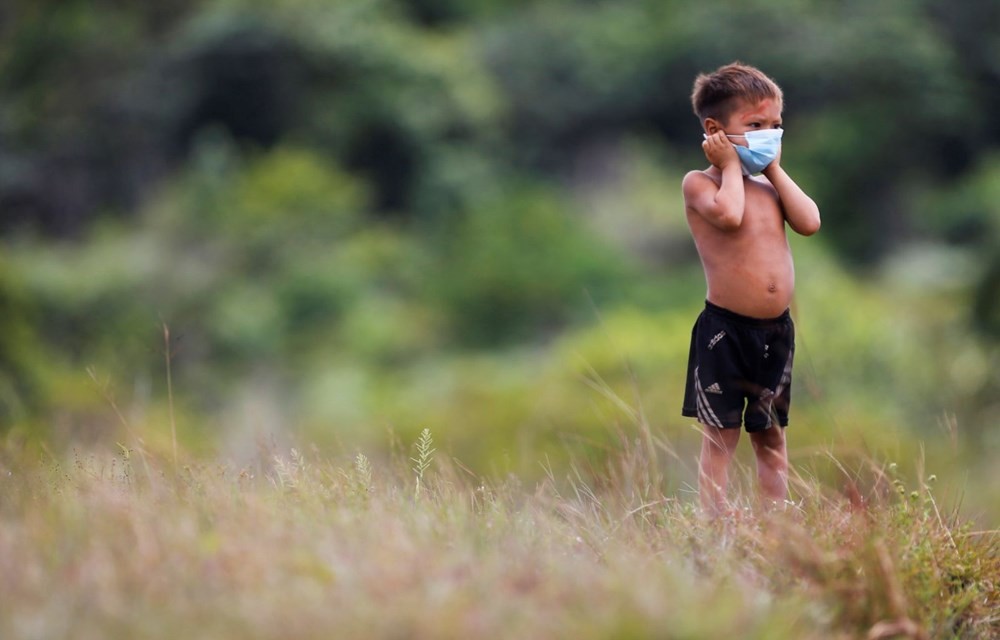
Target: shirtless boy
(742, 344)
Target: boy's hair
(716, 94)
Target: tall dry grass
(302, 545)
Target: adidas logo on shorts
(714, 388)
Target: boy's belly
(754, 293)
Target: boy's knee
(769, 445)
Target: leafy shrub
(520, 265)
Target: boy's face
(747, 116)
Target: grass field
(126, 545)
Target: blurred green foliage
(518, 265)
(374, 215)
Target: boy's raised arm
(722, 206)
(801, 212)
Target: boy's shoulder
(698, 174)
(698, 180)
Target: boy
(740, 363)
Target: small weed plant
(425, 452)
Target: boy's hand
(719, 150)
(773, 166)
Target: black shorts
(740, 370)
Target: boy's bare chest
(762, 211)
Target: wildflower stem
(170, 391)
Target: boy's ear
(712, 126)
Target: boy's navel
(771, 287)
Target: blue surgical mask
(762, 148)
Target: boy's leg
(772, 463)
(717, 448)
